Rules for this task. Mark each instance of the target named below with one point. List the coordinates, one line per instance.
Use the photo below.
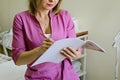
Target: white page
(53, 53)
(93, 46)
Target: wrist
(39, 50)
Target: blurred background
(100, 17)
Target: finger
(66, 55)
(72, 50)
(68, 52)
(45, 46)
(47, 43)
(49, 40)
(77, 53)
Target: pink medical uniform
(27, 35)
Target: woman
(34, 31)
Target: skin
(42, 16)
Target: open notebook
(53, 53)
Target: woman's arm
(29, 56)
(20, 54)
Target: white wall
(8, 8)
(100, 17)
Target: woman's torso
(33, 36)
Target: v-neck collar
(51, 24)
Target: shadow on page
(93, 46)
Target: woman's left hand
(71, 53)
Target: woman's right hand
(47, 43)
(29, 56)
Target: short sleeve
(18, 42)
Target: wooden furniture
(82, 74)
(80, 34)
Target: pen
(43, 35)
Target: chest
(44, 24)
(34, 34)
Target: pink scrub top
(27, 35)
